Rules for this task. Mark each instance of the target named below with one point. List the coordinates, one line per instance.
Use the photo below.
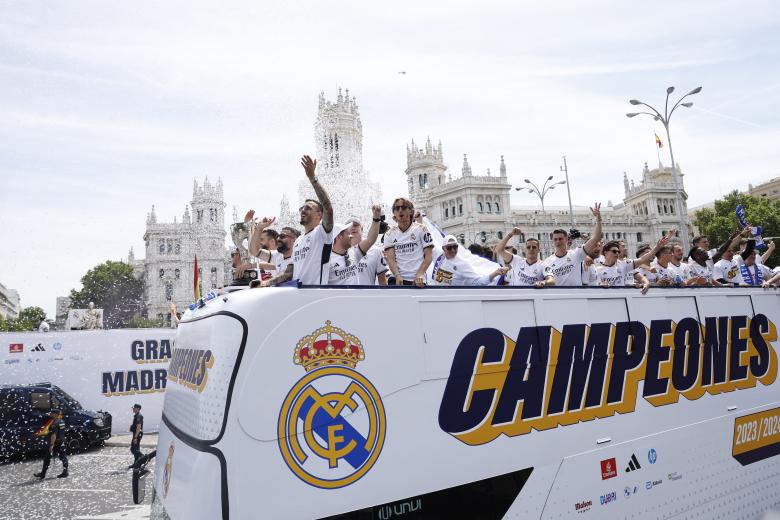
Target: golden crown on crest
(328, 346)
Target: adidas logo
(633, 464)
(39, 348)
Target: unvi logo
(332, 422)
(652, 456)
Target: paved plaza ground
(98, 488)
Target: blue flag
(756, 231)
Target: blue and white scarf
(748, 278)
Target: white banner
(107, 370)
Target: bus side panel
(687, 471)
(187, 481)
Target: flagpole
(664, 119)
(565, 170)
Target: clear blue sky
(109, 108)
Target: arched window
(671, 207)
(453, 211)
(425, 180)
(479, 207)
(169, 291)
(460, 209)
(489, 207)
(162, 247)
(446, 213)
(162, 273)
(498, 209)
(419, 180)
(176, 273)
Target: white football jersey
(590, 276)
(695, 270)
(663, 273)
(310, 261)
(281, 263)
(525, 274)
(456, 271)
(275, 258)
(343, 269)
(727, 270)
(370, 265)
(614, 275)
(679, 270)
(567, 269)
(409, 247)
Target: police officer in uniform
(137, 429)
(56, 438)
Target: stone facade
(9, 303)
(338, 137)
(475, 208)
(769, 189)
(171, 247)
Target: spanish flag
(658, 141)
(195, 278)
(44, 429)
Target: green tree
(29, 318)
(113, 288)
(721, 220)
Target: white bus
(479, 403)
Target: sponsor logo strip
(756, 436)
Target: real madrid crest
(332, 422)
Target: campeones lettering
(546, 378)
(190, 367)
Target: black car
(24, 410)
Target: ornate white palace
(169, 265)
(476, 208)
(338, 137)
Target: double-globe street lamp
(541, 193)
(664, 119)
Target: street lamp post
(540, 192)
(565, 170)
(664, 119)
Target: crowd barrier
(106, 370)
